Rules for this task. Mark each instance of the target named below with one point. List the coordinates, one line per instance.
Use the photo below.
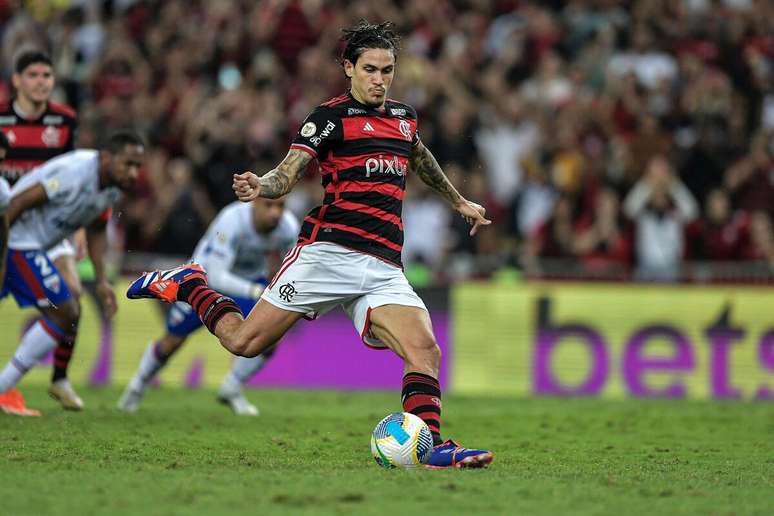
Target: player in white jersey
(235, 250)
(66, 193)
(5, 198)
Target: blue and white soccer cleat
(452, 455)
(165, 284)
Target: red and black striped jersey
(363, 155)
(35, 141)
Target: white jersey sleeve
(5, 195)
(74, 200)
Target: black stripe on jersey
(36, 153)
(360, 174)
(363, 146)
(359, 243)
(376, 200)
(366, 222)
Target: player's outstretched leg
(407, 331)
(222, 317)
(242, 369)
(153, 360)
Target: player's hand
(107, 297)
(473, 214)
(246, 186)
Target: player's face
(125, 166)
(35, 82)
(371, 76)
(267, 213)
(3, 152)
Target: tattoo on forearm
(281, 180)
(423, 163)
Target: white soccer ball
(401, 440)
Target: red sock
(422, 397)
(210, 305)
(62, 355)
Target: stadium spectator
(722, 235)
(597, 88)
(660, 206)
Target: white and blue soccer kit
(234, 255)
(75, 200)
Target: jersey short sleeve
(5, 195)
(320, 130)
(58, 185)
(415, 139)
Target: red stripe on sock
(205, 303)
(418, 400)
(196, 293)
(425, 416)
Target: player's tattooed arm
(275, 183)
(423, 163)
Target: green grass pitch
(308, 453)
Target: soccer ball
(401, 440)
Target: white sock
(35, 344)
(242, 369)
(150, 365)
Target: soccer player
(349, 248)
(5, 198)
(39, 130)
(66, 193)
(234, 249)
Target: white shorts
(316, 278)
(63, 248)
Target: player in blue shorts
(66, 193)
(236, 249)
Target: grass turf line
(308, 453)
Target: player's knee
(424, 349)
(67, 316)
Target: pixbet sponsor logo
(381, 165)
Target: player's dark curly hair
(114, 142)
(29, 57)
(365, 35)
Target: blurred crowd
(613, 139)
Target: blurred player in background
(236, 250)
(5, 198)
(349, 249)
(40, 129)
(65, 194)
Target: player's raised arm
(423, 164)
(275, 183)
